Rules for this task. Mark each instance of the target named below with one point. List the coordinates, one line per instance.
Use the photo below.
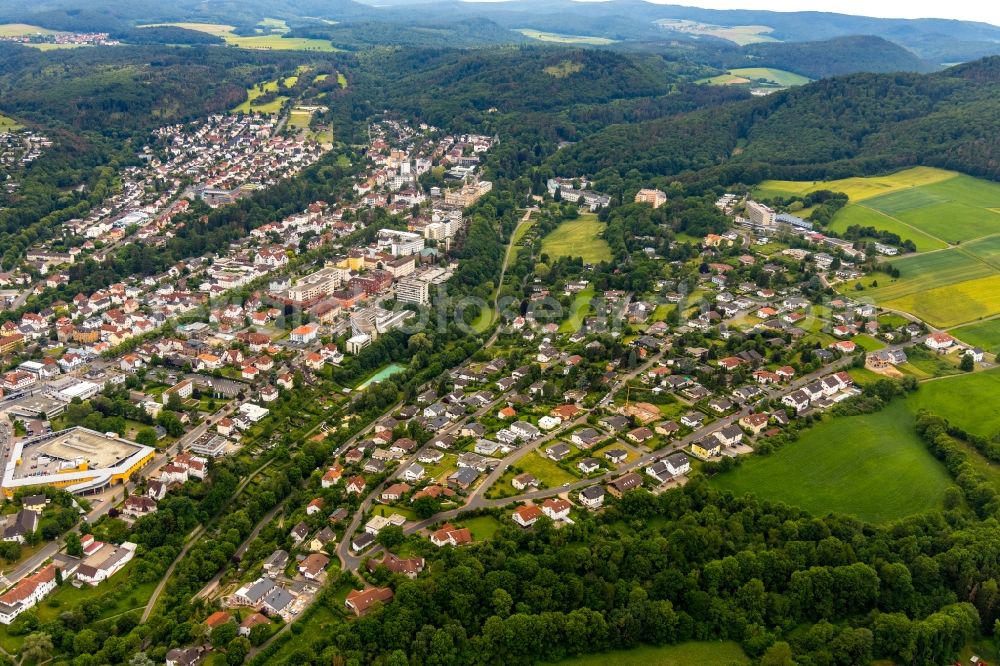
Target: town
(120, 400)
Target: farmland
(564, 39)
(578, 238)
(771, 75)
(272, 39)
(738, 34)
(858, 188)
(858, 214)
(965, 400)
(873, 467)
(748, 75)
(985, 334)
(952, 219)
(23, 29)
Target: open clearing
(564, 39)
(771, 75)
(873, 467)
(578, 238)
(8, 124)
(967, 400)
(267, 42)
(738, 34)
(24, 29)
(707, 653)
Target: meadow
(274, 41)
(564, 39)
(873, 467)
(8, 124)
(706, 653)
(984, 334)
(920, 272)
(24, 29)
(861, 215)
(966, 400)
(578, 238)
(579, 310)
(771, 75)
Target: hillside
(442, 84)
(841, 126)
(833, 57)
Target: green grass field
(707, 653)
(8, 124)
(985, 334)
(771, 75)
(482, 527)
(579, 310)
(547, 471)
(726, 79)
(578, 238)
(924, 271)
(864, 216)
(268, 42)
(274, 106)
(872, 466)
(967, 400)
(564, 39)
(299, 119)
(24, 29)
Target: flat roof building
(78, 460)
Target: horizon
(962, 10)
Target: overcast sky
(969, 10)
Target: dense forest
(858, 124)
(690, 564)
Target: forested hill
(833, 57)
(849, 125)
(128, 88)
(439, 84)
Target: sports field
(707, 653)
(564, 39)
(578, 238)
(967, 400)
(268, 42)
(872, 466)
